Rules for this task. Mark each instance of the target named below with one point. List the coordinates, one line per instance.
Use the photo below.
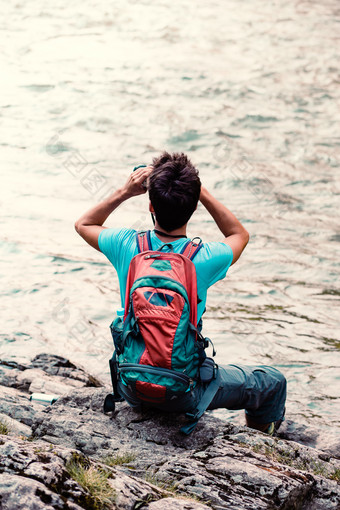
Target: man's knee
(279, 377)
(281, 388)
(282, 381)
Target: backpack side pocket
(207, 370)
(116, 328)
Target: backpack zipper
(124, 367)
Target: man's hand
(136, 183)
(90, 224)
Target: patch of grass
(172, 488)
(154, 480)
(142, 502)
(31, 438)
(39, 450)
(282, 457)
(4, 428)
(95, 482)
(119, 459)
(256, 448)
(318, 468)
(335, 475)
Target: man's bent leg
(260, 390)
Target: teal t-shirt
(211, 262)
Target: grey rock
(15, 427)
(21, 376)
(220, 465)
(16, 404)
(37, 381)
(311, 436)
(18, 492)
(24, 379)
(53, 385)
(176, 504)
(35, 475)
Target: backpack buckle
(192, 416)
(207, 341)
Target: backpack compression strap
(191, 248)
(203, 404)
(143, 241)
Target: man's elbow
(77, 227)
(245, 236)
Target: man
(174, 190)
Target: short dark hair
(174, 189)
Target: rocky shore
(70, 455)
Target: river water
(250, 90)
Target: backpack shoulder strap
(191, 248)
(203, 404)
(143, 241)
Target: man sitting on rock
(174, 190)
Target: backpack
(159, 350)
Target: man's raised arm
(90, 224)
(236, 236)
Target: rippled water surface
(250, 90)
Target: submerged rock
(141, 459)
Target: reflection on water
(251, 92)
